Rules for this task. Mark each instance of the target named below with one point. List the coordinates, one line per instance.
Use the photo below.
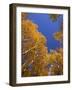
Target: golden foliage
(34, 50)
(54, 16)
(35, 55)
(55, 58)
(24, 16)
(29, 30)
(58, 36)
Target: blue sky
(47, 27)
